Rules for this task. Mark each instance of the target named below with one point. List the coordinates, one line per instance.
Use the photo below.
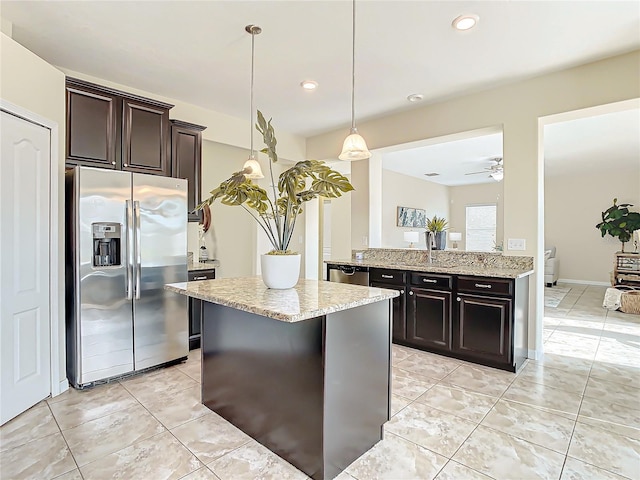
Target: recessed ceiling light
(309, 85)
(415, 97)
(465, 22)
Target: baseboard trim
(63, 386)
(535, 354)
(584, 282)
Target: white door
(25, 375)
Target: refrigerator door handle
(129, 256)
(136, 212)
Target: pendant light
(251, 167)
(354, 148)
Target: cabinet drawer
(493, 286)
(202, 275)
(432, 281)
(395, 277)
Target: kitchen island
(304, 371)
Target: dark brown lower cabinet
(399, 311)
(483, 329)
(429, 318)
(196, 307)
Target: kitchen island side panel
(266, 377)
(357, 382)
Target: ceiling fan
(495, 171)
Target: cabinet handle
(427, 280)
(458, 299)
(386, 276)
(113, 163)
(482, 285)
(125, 165)
(401, 292)
(200, 278)
(410, 293)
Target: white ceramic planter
(280, 271)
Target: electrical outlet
(365, 240)
(300, 239)
(516, 244)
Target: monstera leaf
(277, 215)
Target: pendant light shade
(251, 167)
(354, 147)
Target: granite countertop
(208, 265)
(475, 270)
(308, 299)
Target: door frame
(56, 261)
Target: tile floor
(574, 415)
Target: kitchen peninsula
(468, 305)
(304, 371)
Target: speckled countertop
(208, 265)
(481, 264)
(308, 299)
(480, 270)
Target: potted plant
(619, 222)
(438, 225)
(277, 214)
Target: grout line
(66, 443)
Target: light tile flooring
(574, 415)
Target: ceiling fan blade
(474, 173)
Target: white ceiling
(451, 160)
(198, 52)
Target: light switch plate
(516, 244)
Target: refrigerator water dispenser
(106, 244)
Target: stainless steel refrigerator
(126, 237)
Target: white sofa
(551, 266)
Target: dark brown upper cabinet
(186, 159)
(112, 129)
(92, 126)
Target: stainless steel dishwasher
(353, 274)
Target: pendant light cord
(353, 67)
(253, 38)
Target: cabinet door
(429, 318)
(145, 138)
(92, 128)
(399, 311)
(186, 158)
(483, 329)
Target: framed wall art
(412, 217)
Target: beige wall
(232, 236)
(479, 194)
(573, 206)
(518, 108)
(31, 83)
(341, 226)
(359, 204)
(404, 191)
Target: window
(481, 227)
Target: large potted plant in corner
(277, 214)
(619, 222)
(438, 225)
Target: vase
(440, 240)
(280, 271)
